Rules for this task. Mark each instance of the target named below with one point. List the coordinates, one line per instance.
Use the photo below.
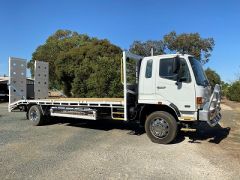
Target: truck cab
(172, 93)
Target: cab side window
(148, 73)
(166, 70)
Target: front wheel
(161, 127)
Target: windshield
(198, 71)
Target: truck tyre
(35, 115)
(161, 127)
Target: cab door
(181, 94)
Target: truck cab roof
(168, 56)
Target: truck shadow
(104, 125)
(3, 101)
(205, 133)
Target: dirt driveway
(73, 149)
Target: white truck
(163, 93)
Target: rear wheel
(35, 115)
(161, 127)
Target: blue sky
(24, 25)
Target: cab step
(188, 129)
(117, 114)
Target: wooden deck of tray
(90, 99)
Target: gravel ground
(76, 149)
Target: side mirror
(182, 79)
(176, 64)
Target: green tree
(191, 43)
(79, 64)
(233, 92)
(213, 77)
(58, 43)
(89, 61)
(144, 48)
(104, 81)
(224, 87)
(184, 43)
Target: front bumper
(211, 110)
(212, 117)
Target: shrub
(233, 92)
(224, 88)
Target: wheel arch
(28, 106)
(147, 109)
(44, 109)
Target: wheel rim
(33, 115)
(159, 128)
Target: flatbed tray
(83, 102)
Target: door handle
(161, 87)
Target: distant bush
(213, 77)
(224, 88)
(233, 91)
